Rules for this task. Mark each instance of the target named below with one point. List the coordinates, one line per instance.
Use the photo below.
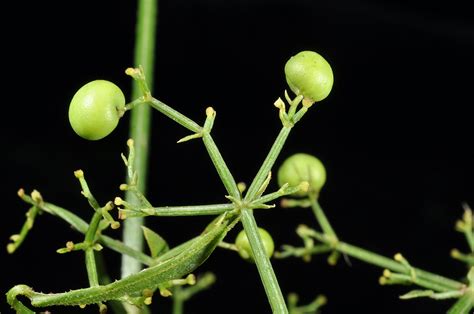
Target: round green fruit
(243, 245)
(302, 167)
(309, 74)
(95, 109)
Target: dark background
(395, 135)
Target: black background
(395, 135)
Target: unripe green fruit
(302, 167)
(243, 245)
(95, 109)
(309, 74)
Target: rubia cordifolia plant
(94, 112)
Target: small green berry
(243, 245)
(95, 109)
(302, 167)
(309, 74)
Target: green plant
(167, 266)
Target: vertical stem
(90, 255)
(178, 302)
(140, 122)
(265, 269)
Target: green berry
(309, 74)
(243, 245)
(95, 109)
(302, 167)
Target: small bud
(280, 104)
(165, 292)
(147, 301)
(333, 258)
(387, 273)
(79, 174)
(133, 72)
(21, 192)
(11, 248)
(70, 246)
(455, 253)
(115, 225)
(123, 187)
(293, 298)
(118, 201)
(210, 112)
(399, 257)
(322, 300)
(191, 279)
(241, 186)
(130, 143)
(15, 237)
(97, 247)
(109, 206)
(36, 196)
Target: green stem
(267, 164)
(221, 167)
(192, 210)
(286, 190)
(140, 122)
(89, 251)
(216, 157)
(178, 302)
(464, 305)
(80, 225)
(437, 282)
(265, 269)
(175, 115)
(322, 219)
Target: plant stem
(463, 305)
(89, 251)
(425, 279)
(265, 269)
(175, 115)
(216, 157)
(178, 302)
(80, 225)
(220, 165)
(191, 210)
(267, 164)
(322, 219)
(140, 122)
(437, 282)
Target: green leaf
(155, 242)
